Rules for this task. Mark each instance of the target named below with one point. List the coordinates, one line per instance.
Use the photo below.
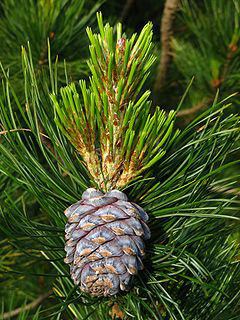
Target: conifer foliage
(114, 120)
(62, 23)
(111, 109)
(208, 49)
(104, 133)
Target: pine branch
(198, 107)
(126, 9)
(216, 83)
(5, 132)
(192, 267)
(232, 49)
(59, 21)
(113, 130)
(209, 49)
(30, 306)
(170, 9)
(45, 139)
(228, 191)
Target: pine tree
(60, 23)
(205, 45)
(191, 267)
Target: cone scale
(104, 241)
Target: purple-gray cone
(104, 241)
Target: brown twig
(220, 189)
(126, 9)
(22, 129)
(199, 106)
(45, 139)
(32, 305)
(170, 8)
(232, 49)
(216, 83)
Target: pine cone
(104, 241)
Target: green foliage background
(192, 263)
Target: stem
(23, 129)
(216, 83)
(202, 104)
(27, 307)
(220, 189)
(199, 106)
(126, 9)
(46, 140)
(231, 51)
(169, 11)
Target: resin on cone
(104, 241)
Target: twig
(43, 54)
(46, 140)
(32, 305)
(232, 48)
(22, 129)
(216, 83)
(170, 8)
(199, 106)
(220, 189)
(126, 9)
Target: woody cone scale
(104, 241)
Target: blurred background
(192, 39)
